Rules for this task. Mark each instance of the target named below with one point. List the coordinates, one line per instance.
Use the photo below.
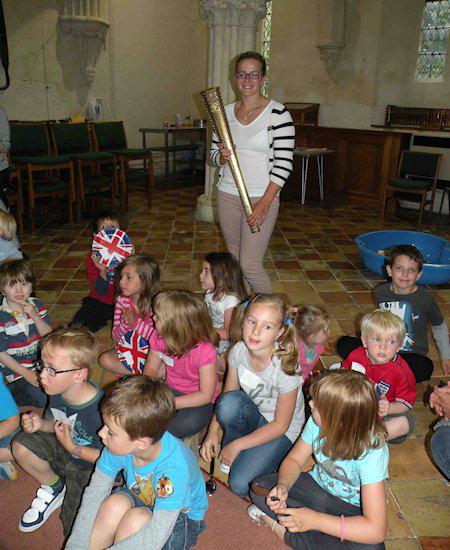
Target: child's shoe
(8, 470)
(255, 513)
(42, 507)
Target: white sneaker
(255, 513)
(42, 507)
(225, 469)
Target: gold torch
(216, 114)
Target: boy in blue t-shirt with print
(163, 500)
(9, 424)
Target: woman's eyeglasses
(40, 367)
(252, 76)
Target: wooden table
(190, 133)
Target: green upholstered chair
(110, 136)
(417, 176)
(74, 141)
(15, 197)
(31, 154)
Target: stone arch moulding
(85, 22)
(332, 23)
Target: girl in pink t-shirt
(183, 345)
(137, 282)
(312, 325)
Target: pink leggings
(247, 247)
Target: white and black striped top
(281, 141)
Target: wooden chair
(31, 153)
(15, 199)
(417, 176)
(74, 141)
(110, 136)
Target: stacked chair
(48, 176)
(110, 137)
(74, 142)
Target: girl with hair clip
(341, 502)
(312, 324)
(137, 282)
(183, 345)
(261, 411)
(9, 245)
(222, 278)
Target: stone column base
(206, 210)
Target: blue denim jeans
(238, 416)
(440, 449)
(185, 531)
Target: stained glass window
(266, 30)
(433, 40)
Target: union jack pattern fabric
(132, 350)
(111, 246)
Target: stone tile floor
(311, 259)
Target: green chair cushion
(49, 187)
(44, 160)
(91, 182)
(130, 152)
(135, 175)
(93, 156)
(401, 183)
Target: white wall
(154, 60)
(376, 67)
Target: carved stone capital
(329, 53)
(258, 7)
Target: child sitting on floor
(184, 343)
(416, 307)
(97, 308)
(261, 411)
(312, 324)
(222, 278)
(9, 245)
(137, 282)
(341, 502)
(163, 501)
(23, 321)
(9, 424)
(382, 334)
(59, 450)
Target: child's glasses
(40, 367)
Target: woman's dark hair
(252, 55)
(226, 274)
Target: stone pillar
(232, 29)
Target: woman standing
(264, 135)
(4, 163)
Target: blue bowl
(435, 250)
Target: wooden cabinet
(363, 162)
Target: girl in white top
(222, 278)
(9, 245)
(261, 411)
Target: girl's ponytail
(287, 344)
(237, 320)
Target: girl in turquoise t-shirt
(341, 502)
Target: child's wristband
(342, 528)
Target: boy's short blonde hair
(78, 342)
(382, 323)
(8, 225)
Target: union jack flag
(111, 246)
(132, 350)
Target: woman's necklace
(249, 113)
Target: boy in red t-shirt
(97, 308)
(382, 334)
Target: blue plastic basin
(435, 250)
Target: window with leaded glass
(433, 40)
(266, 30)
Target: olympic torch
(216, 114)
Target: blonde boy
(59, 450)
(382, 334)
